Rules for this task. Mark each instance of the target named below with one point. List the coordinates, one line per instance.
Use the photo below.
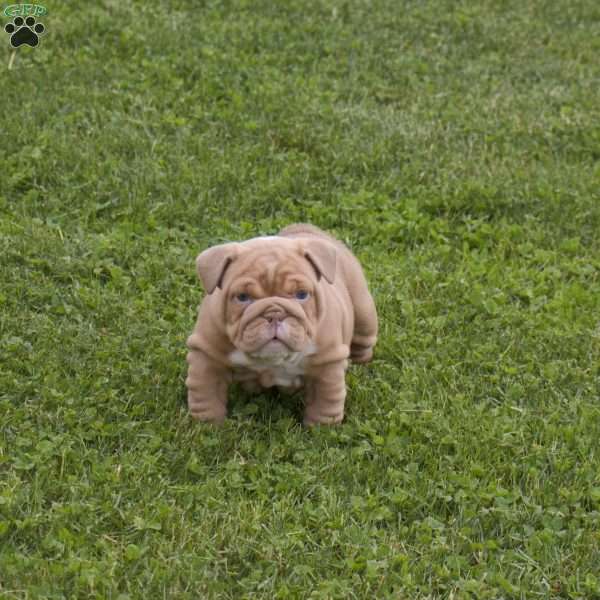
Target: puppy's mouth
(275, 343)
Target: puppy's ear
(321, 255)
(212, 264)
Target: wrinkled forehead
(272, 263)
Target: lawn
(455, 147)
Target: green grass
(455, 146)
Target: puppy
(288, 311)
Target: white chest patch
(285, 368)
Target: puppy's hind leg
(364, 335)
(365, 328)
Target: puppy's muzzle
(273, 319)
(274, 315)
(272, 310)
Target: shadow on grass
(265, 407)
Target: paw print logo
(24, 31)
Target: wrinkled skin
(272, 313)
(289, 311)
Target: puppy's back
(304, 229)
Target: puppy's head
(269, 290)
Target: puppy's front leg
(207, 383)
(326, 394)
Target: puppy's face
(269, 291)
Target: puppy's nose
(274, 314)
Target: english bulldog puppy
(288, 311)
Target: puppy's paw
(322, 420)
(324, 415)
(361, 354)
(210, 412)
(208, 417)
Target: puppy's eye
(243, 298)
(301, 295)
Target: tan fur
(276, 338)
